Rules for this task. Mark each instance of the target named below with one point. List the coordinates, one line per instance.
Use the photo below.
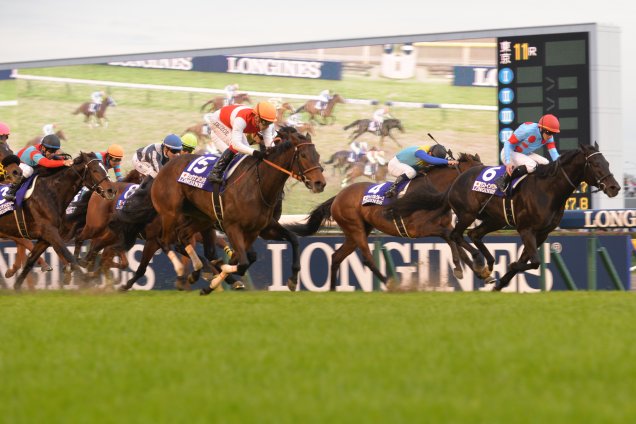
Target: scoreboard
(549, 73)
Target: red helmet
(550, 123)
(4, 129)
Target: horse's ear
(308, 137)
(596, 145)
(477, 157)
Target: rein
(599, 181)
(94, 187)
(301, 175)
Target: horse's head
(11, 169)
(467, 161)
(110, 101)
(597, 172)
(306, 160)
(60, 134)
(94, 175)
(337, 98)
(396, 123)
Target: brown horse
(96, 118)
(36, 140)
(249, 199)
(357, 221)
(219, 101)
(340, 161)
(44, 213)
(539, 203)
(357, 169)
(280, 113)
(201, 130)
(362, 127)
(325, 113)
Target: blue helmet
(173, 142)
(51, 141)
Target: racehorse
(357, 221)
(203, 134)
(36, 140)
(325, 113)
(280, 113)
(96, 118)
(44, 212)
(219, 101)
(362, 126)
(537, 204)
(249, 199)
(356, 169)
(340, 160)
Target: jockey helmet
(438, 151)
(189, 141)
(173, 142)
(550, 123)
(115, 151)
(51, 141)
(266, 111)
(4, 129)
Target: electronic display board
(540, 74)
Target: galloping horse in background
(280, 113)
(96, 118)
(201, 131)
(219, 101)
(44, 211)
(362, 126)
(324, 113)
(539, 202)
(357, 169)
(339, 160)
(36, 140)
(249, 199)
(357, 221)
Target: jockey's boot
(216, 175)
(393, 189)
(502, 183)
(13, 189)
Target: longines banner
(313, 69)
(424, 263)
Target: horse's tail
(351, 125)
(314, 221)
(427, 198)
(78, 110)
(205, 104)
(300, 109)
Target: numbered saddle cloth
(125, 195)
(485, 181)
(196, 173)
(5, 205)
(376, 194)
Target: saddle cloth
(376, 194)
(485, 181)
(197, 171)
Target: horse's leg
(457, 234)
(354, 237)
(476, 235)
(150, 247)
(395, 140)
(275, 231)
(529, 254)
(37, 250)
(20, 257)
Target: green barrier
(563, 269)
(609, 266)
(591, 263)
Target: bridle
(600, 186)
(301, 172)
(95, 187)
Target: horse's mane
(551, 169)
(466, 157)
(284, 134)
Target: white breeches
(27, 170)
(144, 168)
(397, 168)
(530, 161)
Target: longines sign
(599, 218)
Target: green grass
(312, 357)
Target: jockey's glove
(258, 154)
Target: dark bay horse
(326, 113)
(44, 211)
(539, 202)
(219, 101)
(357, 221)
(356, 169)
(249, 199)
(36, 140)
(362, 127)
(95, 118)
(339, 160)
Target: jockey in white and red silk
(228, 128)
(517, 153)
(44, 154)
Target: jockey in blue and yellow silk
(517, 153)
(111, 159)
(44, 154)
(408, 161)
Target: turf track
(317, 357)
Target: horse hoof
(490, 279)
(238, 285)
(458, 273)
(292, 285)
(205, 291)
(10, 273)
(46, 268)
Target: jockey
(189, 141)
(293, 120)
(323, 99)
(48, 129)
(111, 158)
(229, 126)
(230, 92)
(150, 159)
(376, 158)
(378, 118)
(44, 154)
(408, 161)
(517, 152)
(358, 150)
(97, 97)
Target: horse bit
(599, 181)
